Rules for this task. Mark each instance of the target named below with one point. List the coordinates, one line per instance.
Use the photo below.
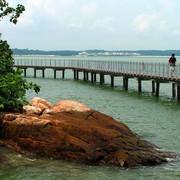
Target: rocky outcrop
(37, 106)
(72, 131)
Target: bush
(13, 86)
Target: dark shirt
(172, 61)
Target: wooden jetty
(157, 73)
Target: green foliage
(13, 86)
(14, 13)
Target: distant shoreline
(42, 55)
(96, 52)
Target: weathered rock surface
(72, 131)
(37, 106)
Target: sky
(95, 24)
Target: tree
(13, 86)
(13, 12)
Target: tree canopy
(13, 86)
(14, 13)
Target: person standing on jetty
(172, 63)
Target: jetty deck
(155, 72)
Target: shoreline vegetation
(96, 52)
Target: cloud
(163, 26)
(82, 18)
(75, 25)
(104, 23)
(89, 19)
(159, 21)
(167, 4)
(176, 32)
(143, 22)
(89, 9)
(38, 11)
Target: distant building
(107, 53)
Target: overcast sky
(95, 24)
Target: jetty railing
(126, 67)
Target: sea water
(156, 120)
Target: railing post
(123, 68)
(163, 70)
(151, 70)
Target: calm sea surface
(154, 119)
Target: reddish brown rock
(75, 132)
(37, 106)
(40, 103)
(68, 106)
(32, 110)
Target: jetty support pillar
(75, 74)
(112, 81)
(63, 72)
(54, 73)
(157, 88)
(86, 76)
(38, 68)
(101, 79)
(24, 71)
(178, 91)
(139, 85)
(173, 90)
(125, 82)
(92, 77)
(153, 86)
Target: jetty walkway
(156, 73)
